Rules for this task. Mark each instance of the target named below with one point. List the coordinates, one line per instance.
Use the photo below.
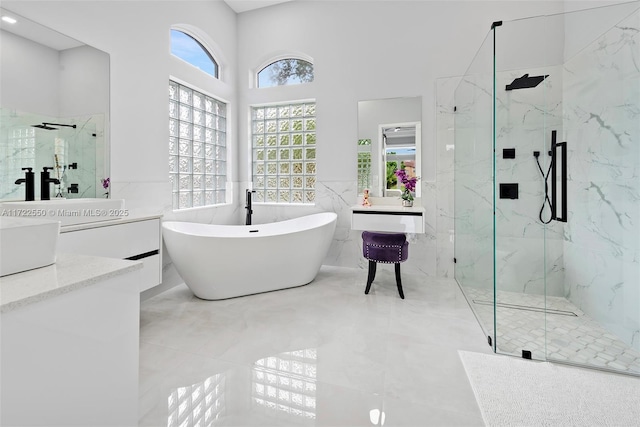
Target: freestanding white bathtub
(226, 261)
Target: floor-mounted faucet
(248, 207)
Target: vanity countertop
(71, 272)
(388, 209)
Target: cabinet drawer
(113, 241)
(400, 223)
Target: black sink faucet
(29, 180)
(45, 181)
(248, 206)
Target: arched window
(287, 71)
(192, 51)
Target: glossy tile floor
(566, 335)
(322, 354)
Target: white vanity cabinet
(133, 239)
(70, 343)
(396, 219)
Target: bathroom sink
(27, 243)
(67, 211)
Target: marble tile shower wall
(444, 185)
(81, 147)
(526, 248)
(473, 185)
(602, 124)
(524, 120)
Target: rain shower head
(526, 82)
(49, 126)
(44, 126)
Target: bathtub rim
(331, 217)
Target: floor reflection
(286, 382)
(198, 404)
(377, 417)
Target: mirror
(54, 108)
(389, 137)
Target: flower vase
(407, 203)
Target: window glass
(284, 152)
(190, 50)
(286, 72)
(197, 147)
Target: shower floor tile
(568, 334)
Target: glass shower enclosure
(547, 187)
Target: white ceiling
(240, 6)
(45, 36)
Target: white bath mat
(517, 392)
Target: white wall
(29, 75)
(371, 50)
(363, 51)
(136, 36)
(83, 82)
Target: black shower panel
(509, 191)
(552, 173)
(563, 179)
(508, 153)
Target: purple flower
(409, 183)
(105, 183)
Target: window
(284, 153)
(364, 165)
(191, 50)
(197, 147)
(18, 152)
(286, 72)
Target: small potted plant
(408, 186)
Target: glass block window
(364, 165)
(191, 50)
(284, 153)
(18, 150)
(197, 148)
(288, 71)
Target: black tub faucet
(29, 181)
(45, 181)
(248, 207)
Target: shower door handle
(563, 178)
